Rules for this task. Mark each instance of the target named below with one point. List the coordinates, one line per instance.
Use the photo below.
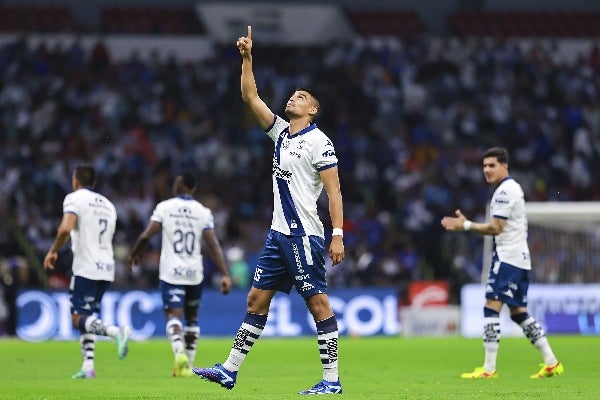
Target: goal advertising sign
(560, 309)
(46, 315)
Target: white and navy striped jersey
(91, 239)
(297, 162)
(508, 203)
(183, 220)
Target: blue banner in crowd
(364, 312)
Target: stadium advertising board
(46, 315)
(561, 309)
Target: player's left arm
(331, 182)
(142, 242)
(215, 252)
(67, 224)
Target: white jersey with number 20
(183, 220)
(91, 239)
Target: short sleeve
(324, 154)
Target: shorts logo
(297, 258)
(306, 286)
(257, 273)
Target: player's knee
(319, 306)
(257, 304)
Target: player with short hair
(304, 162)
(89, 219)
(508, 279)
(184, 223)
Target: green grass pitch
(370, 368)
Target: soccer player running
(293, 254)
(89, 219)
(508, 279)
(184, 223)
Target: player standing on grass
(184, 222)
(508, 278)
(89, 219)
(293, 255)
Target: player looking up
(185, 223)
(89, 219)
(304, 161)
(508, 279)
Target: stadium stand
(408, 118)
(526, 23)
(36, 18)
(150, 19)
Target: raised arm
(264, 116)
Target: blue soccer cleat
(217, 374)
(121, 340)
(324, 387)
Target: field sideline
(370, 368)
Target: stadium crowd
(409, 119)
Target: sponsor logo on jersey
(104, 266)
(184, 210)
(278, 172)
(501, 200)
(329, 153)
(302, 277)
(184, 271)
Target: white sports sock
(491, 342)
(174, 335)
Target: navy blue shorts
(178, 296)
(507, 283)
(86, 295)
(287, 261)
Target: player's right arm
(263, 115)
(457, 224)
(215, 252)
(62, 236)
(142, 242)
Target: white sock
(491, 342)
(174, 335)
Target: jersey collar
(309, 128)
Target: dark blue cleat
(324, 387)
(217, 374)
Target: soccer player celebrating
(304, 161)
(184, 222)
(508, 279)
(89, 219)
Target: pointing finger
(249, 32)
